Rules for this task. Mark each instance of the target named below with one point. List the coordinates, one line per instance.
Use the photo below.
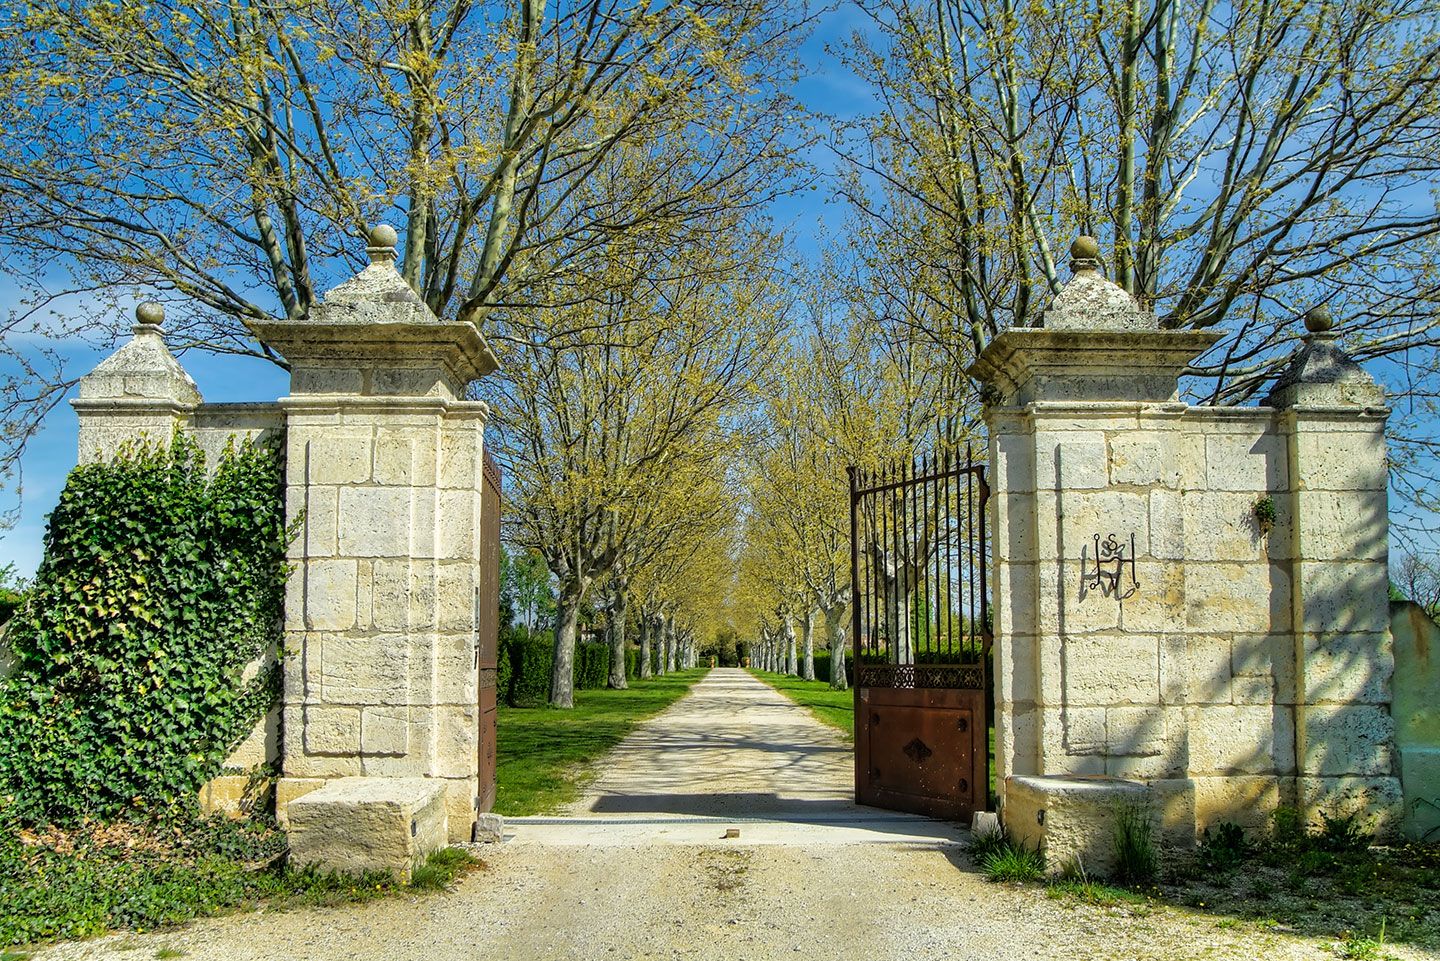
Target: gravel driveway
(639, 869)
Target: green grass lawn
(835, 708)
(542, 753)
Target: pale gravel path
(732, 748)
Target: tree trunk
(646, 669)
(791, 667)
(619, 610)
(835, 629)
(670, 642)
(567, 614)
(807, 664)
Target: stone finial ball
(1085, 248)
(383, 235)
(1318, 319)
(149, 312)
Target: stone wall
(1237, 665)
(141, 393)
(1416, 708)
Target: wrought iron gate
(487, 640)
(921, 628)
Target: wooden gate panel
(487, 641)
(920, 751)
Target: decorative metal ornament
(1106, 572)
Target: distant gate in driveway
(921, 629)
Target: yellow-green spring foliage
(162, 583)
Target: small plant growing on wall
(162, 582)
(1264, 512)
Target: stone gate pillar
(1188, 597)
(383, 457)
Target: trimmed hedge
(531, 661)
(527, 664)
(822, 667)
(592, 666)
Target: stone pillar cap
(1321, 373)
(143, 368)
(1090, 302)
(376, 317)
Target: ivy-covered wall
(134, 655)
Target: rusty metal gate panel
(487, 641)
(921, 636)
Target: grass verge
(835, 708)
(61, 884)
(542, 753)
(1329, 882)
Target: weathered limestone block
(1240, 598)
(1377, 802)
(1246, 800)
(1072, 819)
(228, 794)
(1252, 461)
(1348, 739)
(1236, 739)
(1111, 669)
(1348, 596)
(358, 824)
(489, 829)
(1348, 668)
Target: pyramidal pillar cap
(375, 321)
(143, 370)
(1321, 373)
(1095, 344)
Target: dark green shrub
(1342, 834)
(10, 601)
(1286, 828)
(1135, 857)
(822, 667)
(532, 664)
(160, 585)
(632, 662)
(1224, 848)
(592, 666)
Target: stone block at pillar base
(1247, 800)
(288, 789)
(236, 795)
(1072, 819)
(359, 824)
(1377, 802)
